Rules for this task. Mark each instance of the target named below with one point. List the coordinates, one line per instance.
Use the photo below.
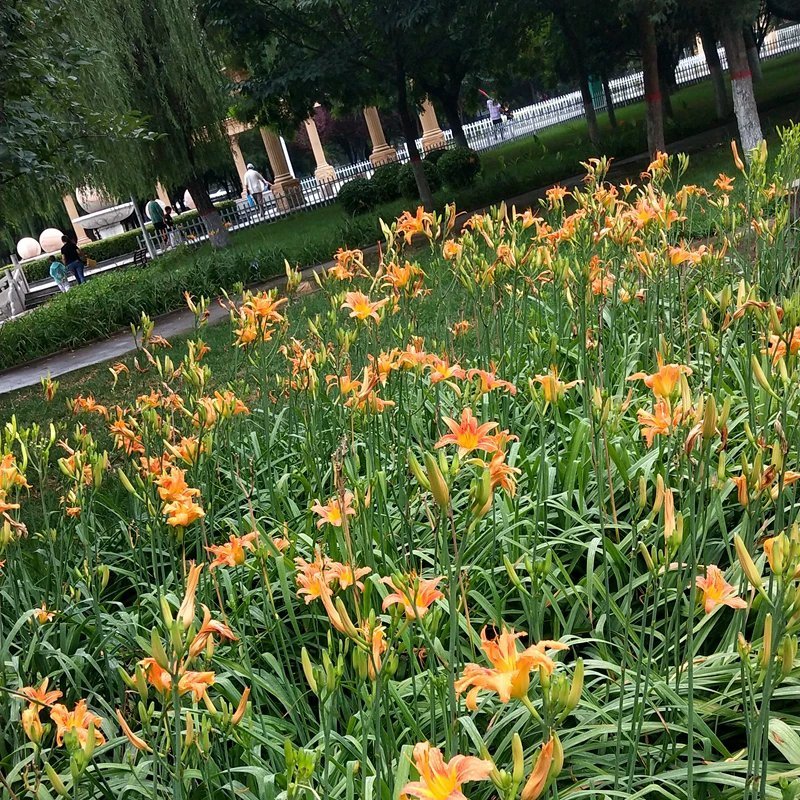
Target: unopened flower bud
(439, 488)
(746, 562)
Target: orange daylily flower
(724, 183)
(348, 262)
(467, 435)
(346, 575)
(42, 615)
(510, 677)
(415, 594)
(361, 307)
(409, 224)
(501, 474)
(451, 250)
(460, 328)
(666, 381)
(660, 423)
(208, 630)
(552, 388)
(489, 381)
(32, 724)
(717, 591)
(188, 681)
(335, 510)
(442, 370)
(777, 345)
(440, 779)
(232, 553)
(39, 695)
(78, 721)
(183, 513)
(172, 485)
(400, 278)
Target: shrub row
(111, 302)
(456, 169)
(112, 247)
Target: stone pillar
(238, 158)
(72, 213)
(381, 151)
(162, 194)
(324, 171)
(432, 136)
(286, 189)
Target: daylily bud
(241, 708)
(141, 681)
(31, 724)
(308, 670)
(166, 612)
(775, 324)
(512, 572)
(743, 646)
(55, 780)
(647, 558)
(710, 418)
(724, 413)
(157, 650)
(439, 489)
(788, 654)
(347, 624)
(575, 689)
(537, 781)
(748, 565)
(761, 378)
(766, 647)
(686, 394)
(136, 741)
(518, 759)
(642, 492)
(188, 738)
(722, 465)
(736, 158)
(558, 759)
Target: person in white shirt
(255, 185)
(494, 115)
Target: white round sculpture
(28, 248)
(91, 200)
(50, 240)
(147, 205)
(188, 200)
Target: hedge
(111, 302)
(111, 247)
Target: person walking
(255, 184)
(73, 258)
(156, 214)
(173, 237)
(495, 110)
(58, 272)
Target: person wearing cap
(255, 185)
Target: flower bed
(513, 519)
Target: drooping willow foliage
(115, 93)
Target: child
(58, 272)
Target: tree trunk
(610, 110)
(722, 105)
(753, 56)
(652, 91)
(588, 109)
(666, 77)
(574, 47)
(217, 233)
(449, 105)
(410, 134)
(744, 99)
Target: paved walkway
(179, 322)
